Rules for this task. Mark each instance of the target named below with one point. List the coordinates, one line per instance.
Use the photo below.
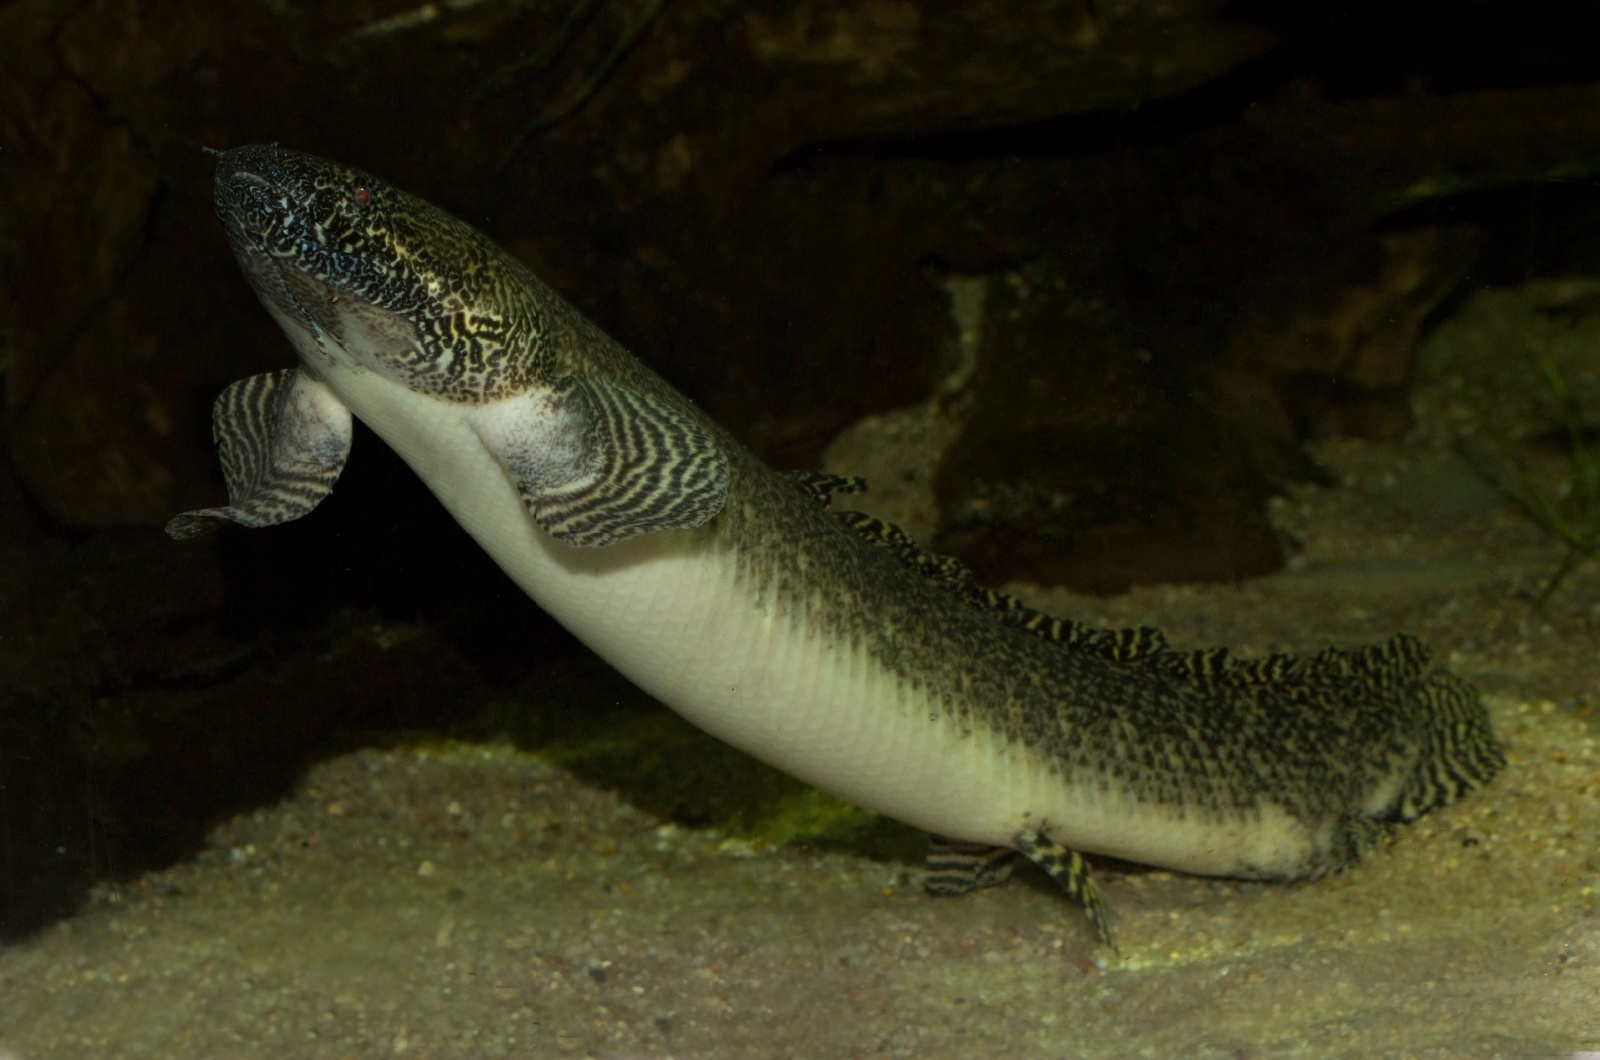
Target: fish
(824, 643)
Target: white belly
(670, 613)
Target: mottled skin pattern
(1336, 741)
(1316, 743)
(481, 331)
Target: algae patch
(589, 721)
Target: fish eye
(363, 196)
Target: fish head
(354, 269)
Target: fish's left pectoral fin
(597, 463)
(955, 868)
(1071, 874)
(283, 438)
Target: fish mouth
(251, 185)
(262, 204)
(256, 201)
(296, 227)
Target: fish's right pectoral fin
(597, 463)
(283, 438)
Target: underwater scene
(852, 528)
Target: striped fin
(1460, 750)
(823, 484)
(1071, 874)
(597, 463)
(283, 438)
(956, 868)
(1114, 645)
(930, 565)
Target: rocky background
(1204, 233)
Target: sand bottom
(475, 900)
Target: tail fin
(1457, 748)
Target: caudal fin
(1457, 747)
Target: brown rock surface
(757, 199)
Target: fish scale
(826, 644)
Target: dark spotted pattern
(281, 448)
(1316, 736)
(1328, 740)
(1450, 744)
(473, 321)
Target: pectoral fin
(1071, 873)
(283, 438)
(597, 463)
(957, 868)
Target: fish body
(725, 590)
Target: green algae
(609, 734)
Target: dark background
(1212, 231)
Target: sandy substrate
(474, 900)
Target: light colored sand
(478, 902)
(475, 901)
